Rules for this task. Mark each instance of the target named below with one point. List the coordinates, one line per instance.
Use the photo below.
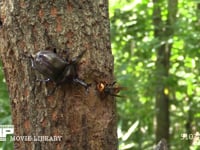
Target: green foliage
(134, 45)
(5, 113)
(4, 100)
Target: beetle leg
(85, 85)
(52, 91)
(43, 80)
(116, 95)
(32, 62)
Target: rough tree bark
(84, 120)
(163, 31)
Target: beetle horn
(78, 58)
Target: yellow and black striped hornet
(111, 89)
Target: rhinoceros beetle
(106, 89)
(57, 69)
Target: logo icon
(6, 130)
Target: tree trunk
(164, 32)
(81, 118)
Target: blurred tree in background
(135, 45)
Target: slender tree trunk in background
(82, 119)
(163, 31)
(190, 117)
